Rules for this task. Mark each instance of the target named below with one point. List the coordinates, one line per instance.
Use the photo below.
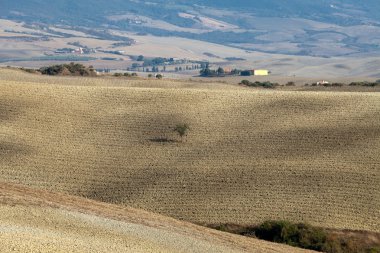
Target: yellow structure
(260, 72)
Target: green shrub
(31, 71)
(74, 69)
(181, 130)
(308, 237)
(52, 70)
(367, 84)
(374, 249)
(266, 84)
(290, 84)
(298, 235)
(245, 82)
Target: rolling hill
(251, 154)
(40, 221)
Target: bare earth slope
(251, 155)
(39, 221)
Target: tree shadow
(8, 149)
(162, 140)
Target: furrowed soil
(40, 221)
(251, 155)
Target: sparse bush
(117, 74)
(367, 84)
(31, 71)
(298, 235)
(267, 85)
(374, 249)
(150, 75)
(159, 76)
(134, 74)
(74, 69)
(245, 82)
(290, 84)
(308, 237)
(127, 74)
(181, 130)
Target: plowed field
(251, 155)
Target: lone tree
(220, 71)
(182, 130)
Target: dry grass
(40, 221)
(250, 155)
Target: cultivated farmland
(251, 155)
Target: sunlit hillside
(250, 155)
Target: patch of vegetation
(234, 59)
(337, 84)
(367, 84)
(297, 235)
(266, 84)
(332, 84)
(207, 72)
(109, 59)
(126, 74)
(309, 237)
(211, 55)
(31, 71)
(290, 84)
(181, 130)
(72, 69)
(154, 62)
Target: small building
(323, 82)
(260, 72)
(78, 51)
(227, 70)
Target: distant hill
(317, 28)
(326, 10)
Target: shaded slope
(250, 156)
(32, 220)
